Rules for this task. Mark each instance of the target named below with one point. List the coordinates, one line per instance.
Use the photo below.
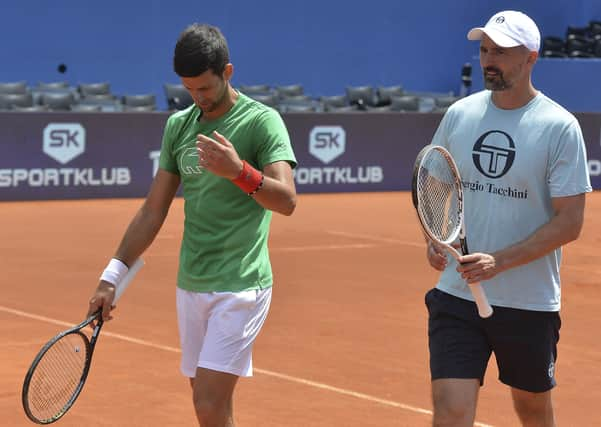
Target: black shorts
(461, 342)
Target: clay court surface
(345, 341)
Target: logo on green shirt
(188, 162)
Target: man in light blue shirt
(523, 165)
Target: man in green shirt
(234, 159)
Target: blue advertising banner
(115, 155)
(591, 129)
(77, 156)
(358, 152)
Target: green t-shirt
(224, 246)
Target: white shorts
(218, 329)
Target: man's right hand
(102, 299)
(436, 256)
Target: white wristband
(114, 272)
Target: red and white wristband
(250, 179)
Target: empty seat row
(579, 42)
(60, 96)
(358, 98)
(67, 102)
(82, 89)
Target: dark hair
(199, 48)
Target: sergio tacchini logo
(494, 153)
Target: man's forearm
(276, 196)
(561, 229)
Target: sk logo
(64, 141)
(327, 142)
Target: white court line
(297, 249)
(322, 247)
(290, 378)
(104, 333)
(333, 247)
(377, 238)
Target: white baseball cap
(509, 29)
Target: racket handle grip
(122, 285)
(484, 308)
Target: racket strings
(439, 197)
(57, 376)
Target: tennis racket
(438, 198)
(59, 371)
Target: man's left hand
(477, 267)
(218, 156)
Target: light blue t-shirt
(512, 162)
